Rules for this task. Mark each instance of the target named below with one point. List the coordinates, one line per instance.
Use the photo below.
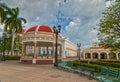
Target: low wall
(38, 61)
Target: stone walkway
(12, 71)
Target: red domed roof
(45, 29)
(40, 29)
(32, 29)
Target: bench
(118, 78)
(62, 65)
(78, 69)
(107, 75)
(66, 65)
(86, 71)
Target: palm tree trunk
(12, 44)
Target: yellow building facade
(96, 52)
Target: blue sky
(77, 17)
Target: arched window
(103, 55)
(119, 56)
(112, 55)
(95, 55)
(87, 55)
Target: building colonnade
(101, 55)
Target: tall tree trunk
(12, 44)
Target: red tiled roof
(98, 47)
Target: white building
(69, 49)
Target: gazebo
(38, 45)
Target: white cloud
(85, 14)
(108, 3)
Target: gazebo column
(47, 51)
(39, 50)
(35, 54)
(53, 50)
(23, 49)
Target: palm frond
(23, 19)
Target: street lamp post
(56, 31)
(5, 36)
(78, 51)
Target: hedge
(30, 54)
(96, 67)
(12, 57)
(97, 64)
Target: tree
(18, 44)
(4, 12)
(12, 21)
(1, 46)
(109, 31)
(13, 25)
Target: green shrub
(108, 64)
(98, 64)
(42, 54)
(112, 64)
(79, 63)
(12, 57)
(31, 54)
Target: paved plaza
(13, 71)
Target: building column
(84, 55)
(99, 56)
(91, 55)
(35, 54)
(108, 57)
(117, 56)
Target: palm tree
(12, 21)
(13, 25)
(2, 13)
